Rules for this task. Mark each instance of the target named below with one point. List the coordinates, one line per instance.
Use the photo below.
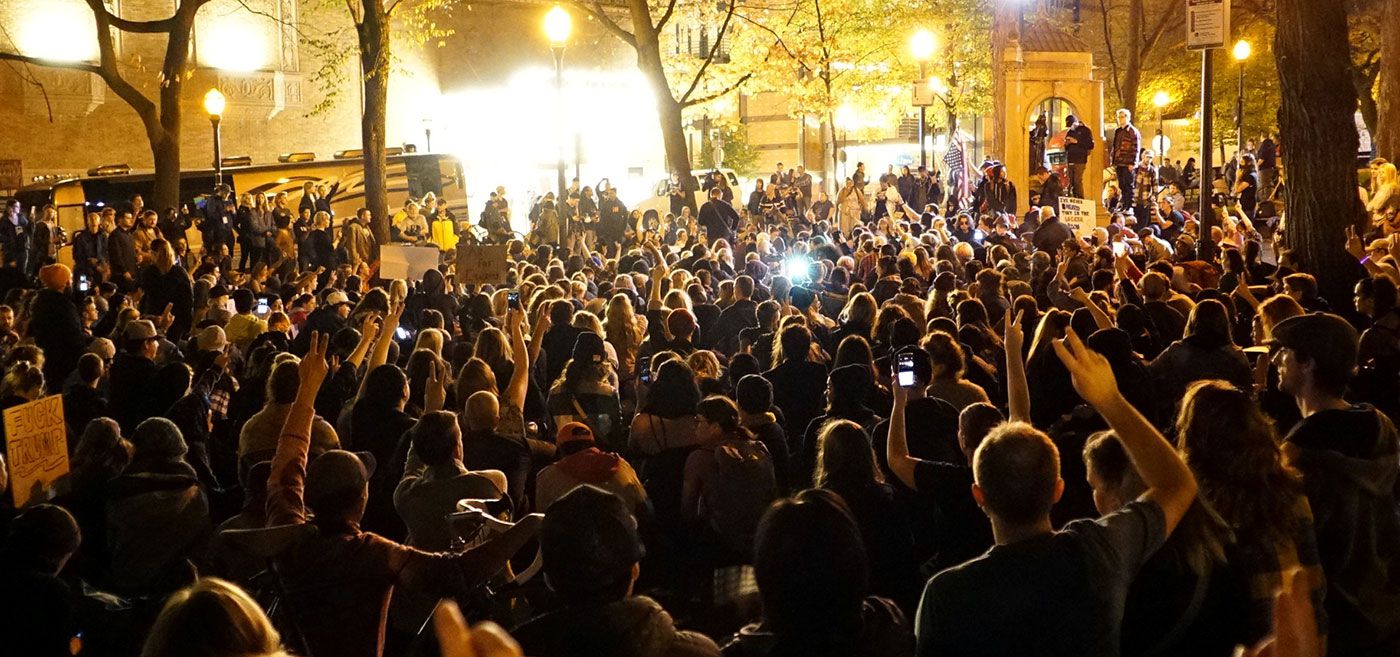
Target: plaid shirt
(1263, 565)
(1145, 184)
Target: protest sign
(400, 261)
(37, 444)
(1077, 213)
(481, 264)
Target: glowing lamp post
(214, 104)
(922, 45)
(1161, 100)
(557, 26)
(1242, 51)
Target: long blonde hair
(212, 618)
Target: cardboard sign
(399, 261)
(37, 441)
(1077, 213)
(11, 174)
(482, 264)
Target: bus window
(423, 176)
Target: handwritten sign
(11, 174)
(1077, 213)
(398, 261)
(481, 264)
(38, 447)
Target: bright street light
(557, 25)
(1242, 50)
(922, 45)
(937, 85)
(1161, 99)
(214, 103)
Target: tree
(1387, 132)
(693, 86)
(161, 115)
(848, 62)
(1316, 126)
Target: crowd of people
(915, 425)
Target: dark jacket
(1127, 143)
(1350, 460)
(1050, 235)
(133, 379)
(884, 632)
(1078, 153)
(632, 627)
(174, 287)
(799, 391)
(88, 247)
(157, 519)
(57, 329)
(121, 253)
(719, 219)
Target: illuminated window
(246, 36)
(57, 30)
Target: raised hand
(435, 392)
(313, 366)
(1354, 245)
(1012, 335)
(455, 639)
(1092, 376)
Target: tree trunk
(165, 150)
(1319, 136)
(1366, 103)
(1132, 70)
(373, 35)
(1387, 135)
(668, 110)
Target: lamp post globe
(214, 105)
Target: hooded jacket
(1350, 460)
(157, 519)
(631, 627)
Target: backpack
(744, 487)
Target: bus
(410, 176)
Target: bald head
(483, 411)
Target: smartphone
(263, 309)
(83, 285)
(904, 370)
(644, 370)
(402, 333)
(513, 299)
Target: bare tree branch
(666, 16)
(714, 50)
(718, 94)
(596, 10)
(1108, 44)
(76, 66)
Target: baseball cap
(589, 347)
(336, 297)
(139, 329)
(1323, 338)
(573, 431)
(218, 291)
(335, 475)
(589, 542)
(211, 338)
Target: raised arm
(1169, 482)
(520, 376)
(897, 450)
(1101, 318)
(287, 482)
(369, 330)
(542, 324)
(1018, 393)
(380, 354)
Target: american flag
(956, 159)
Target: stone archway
(1045, 65)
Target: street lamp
(1160, 100)
(557, 26)
(214, 104)
(428, 134)
(922, 45)
(1242, 51)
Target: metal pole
(1203, 246)
(923, 119)
(578, 156)
(428, 137)
(1239, 113)
(218, 153)
(559, 141)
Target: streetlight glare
(1242, 50)
(214, 102)
(937, 86)
(557, 25)
(1161, 99)
(922, 45)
